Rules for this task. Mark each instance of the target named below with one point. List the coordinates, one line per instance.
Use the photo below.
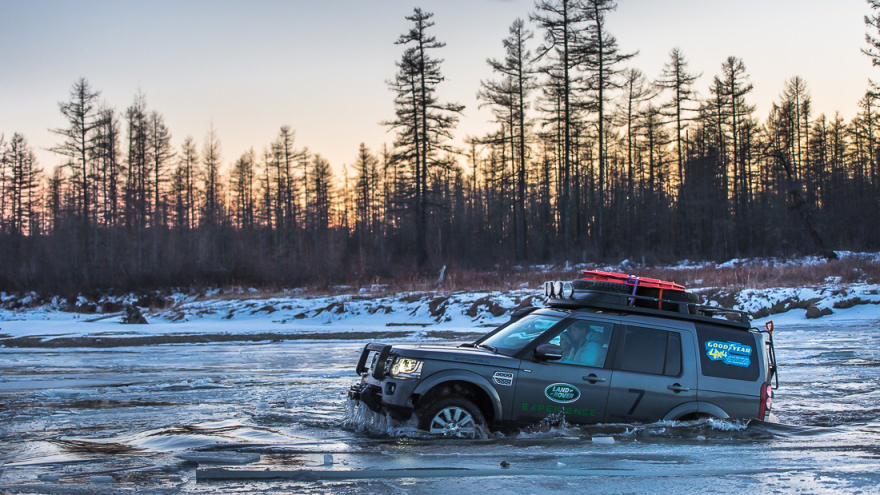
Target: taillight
(766, 400)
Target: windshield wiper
(491, 348)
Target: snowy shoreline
(411, 316)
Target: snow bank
(248, 312)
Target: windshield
(515, 336)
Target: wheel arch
(487, 398)
(695, 409)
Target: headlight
(406, 368)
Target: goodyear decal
(732, 353)
(562, 393)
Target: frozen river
(147, 419)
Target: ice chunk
(603, 440)
(220, 457)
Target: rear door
(733, 369)
(654, 372)
(568, 388)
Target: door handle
(592, 378)
(675, 387)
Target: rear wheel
(452, 417)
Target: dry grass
(848, 270)
(843, 271)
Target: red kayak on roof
(622, 278)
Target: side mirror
(548, 352)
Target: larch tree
(4, 167)
(160, 154)
(679, 81)
(510, 97)
(601, 59)
(137, 178)
(22, 180)
(242, 187)
(797, 102)
(367, 189)
(424, 124)
(322, 195)
(81, 112)
(285, 183)
(873, 40)
(211, 160)
(109, 167)
(734, 87)
(564, 25)
(867, 123)
(185, 178)
(636, 91)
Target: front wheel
(453, 417)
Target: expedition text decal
(551, 409)
(562, 393)
(729, 353)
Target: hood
(454, 354)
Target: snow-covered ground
(419, 315)
(457, 312)
(299, 315)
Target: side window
(585, 343)
(673, 355)
(651, 351)
(727, 353)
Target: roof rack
(679, 306)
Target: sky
(321, 67)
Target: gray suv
(599, 353)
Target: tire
(601, 286)
(672, 295)
(677, 295)
(452, 417)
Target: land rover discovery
(619, 351)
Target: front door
(575, 387)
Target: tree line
(588, 159)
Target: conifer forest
(587, 159)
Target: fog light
(567, 290)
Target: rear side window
(727, 353)
(648, 350)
